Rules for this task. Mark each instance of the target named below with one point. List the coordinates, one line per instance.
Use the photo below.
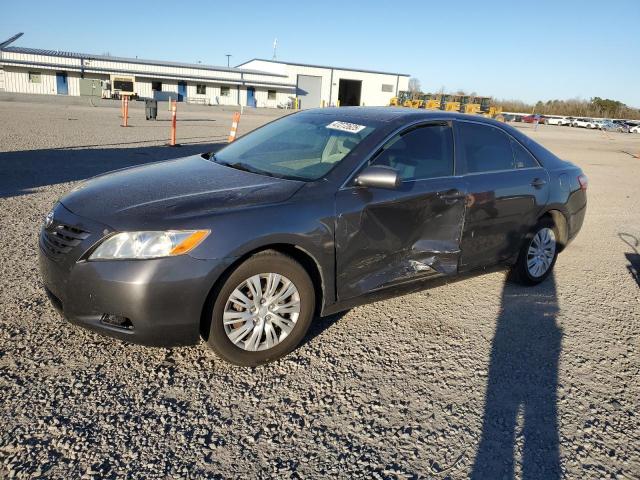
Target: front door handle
(538, 182)
(452, 194)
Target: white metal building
(260, 83)
(319, 84)
(29, 70)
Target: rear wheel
(538, 254)
(262, 311)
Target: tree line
(595, 107)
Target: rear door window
(485, 148)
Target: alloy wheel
(261, 312)
(541, 252)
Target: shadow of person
(633, 257)
(522, 384)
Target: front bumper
(162, 298)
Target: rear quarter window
(521, 156)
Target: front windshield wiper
(244, 167)
(251, 169)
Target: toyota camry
(307, 216)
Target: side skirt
(406, 288)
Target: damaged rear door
(390, 236)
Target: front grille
(60, 239)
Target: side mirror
(378, 176)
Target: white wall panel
(73, 80)
(169, 86)
(169, 75)
(143, 87)
(371, 93)
(17, 80)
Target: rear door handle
(452, 194)
(538, 182)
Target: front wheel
(538, 254)
(262, 311)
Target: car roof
(399, 115)
(391, 114)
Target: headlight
(138, 245)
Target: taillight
(583, 181)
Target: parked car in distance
(309, 215)
(609, 126)
(555, 120)
(635, 129)
(625, 123)
(533, 119)
(584, 123)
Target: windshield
(301, 146)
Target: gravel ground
(477, 378)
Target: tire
(521, 272)
(253, 331)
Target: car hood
(168, 192)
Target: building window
(124, 85)
(271, 94)
(34, 77)
(201, 89)
(225, 91)
(387, 88)
(156, 86)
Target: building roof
(90, 56)
(322, 66)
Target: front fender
(308, 227)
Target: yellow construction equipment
(452, 103)
(452, 107)
(472, 108)
(457, 102)
(432, 101)
(400, 100)
(433, 104)
(413, 100)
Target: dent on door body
(389, 237)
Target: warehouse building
(257, 83)
(29, 70)
(318, 85)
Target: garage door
(309, 91)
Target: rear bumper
(162, 298)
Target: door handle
(538, 182)
(451, 195)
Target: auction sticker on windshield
(346, 127)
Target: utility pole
(275, 46)
(228, 57)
